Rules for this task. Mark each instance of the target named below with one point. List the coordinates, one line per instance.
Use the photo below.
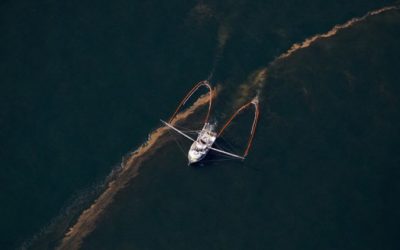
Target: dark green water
(82, 84)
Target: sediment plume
(252, 86)
(86, 222)
(88, 219)
(223, 36)
(257, 79)
(201, 13)
(309, 41)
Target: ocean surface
(86, 163)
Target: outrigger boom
(177, 130)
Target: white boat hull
(203, 143)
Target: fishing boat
(203, 144)
(207, 136)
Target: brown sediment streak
(258, 78)
(88, 219)
(223, 35)
(255, 103)
(306, 43)
(255, 82)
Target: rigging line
(195, 132)
(188, 131)
(226, 159)
(225, 145)
(219, 146)
(191, 92)
(229, 146)
(185, 129)
(177, 142)
(220, 157)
